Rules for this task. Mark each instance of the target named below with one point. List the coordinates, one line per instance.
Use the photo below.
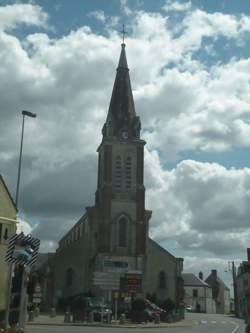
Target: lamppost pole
(33, 115)
(23, 290)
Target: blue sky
(189, 67)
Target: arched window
(69, 277)
(128, 172)
(118, 171)
(123, 226)
(162, 280)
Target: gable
(7, 205)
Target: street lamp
(32, 115)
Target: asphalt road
(204, 323)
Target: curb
(139, 326)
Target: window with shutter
(118, 174)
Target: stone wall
(159, 260)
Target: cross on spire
(123, 33)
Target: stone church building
(110, 241)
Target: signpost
(22, 250)
(37, 295)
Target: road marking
(203, 321)
(236, 327)
(223, 322)
(213, 322)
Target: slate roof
(210, 280)
(192, 280)
(121, 108)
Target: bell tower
(120, 195)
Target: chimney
(214, 273)
(201, 275)
(248, 254)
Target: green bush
(168, 305)
(13, 317)
(138, 305)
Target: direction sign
(106, 281)
(36, 300)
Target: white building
(198, 294)
(221, 293)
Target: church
(108, 251)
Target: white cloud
(29, 14)
(177, 6)
(98, 15)
(125, 7)
(201, 206)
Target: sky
(190, 72)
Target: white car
(189, 308)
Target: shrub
(168, 305)
(138, 305)
(13, 317)
(138, 313)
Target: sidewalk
(59, 321)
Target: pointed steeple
(123, 60)
(121, 114)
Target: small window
(6, 234)
(162, 280)
(123, 232)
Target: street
(202, 323)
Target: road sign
(37, 288)
(131, 283)
(36, 300)
(22, 250)
(106, 281)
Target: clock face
(124, 134)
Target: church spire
(121, 114)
